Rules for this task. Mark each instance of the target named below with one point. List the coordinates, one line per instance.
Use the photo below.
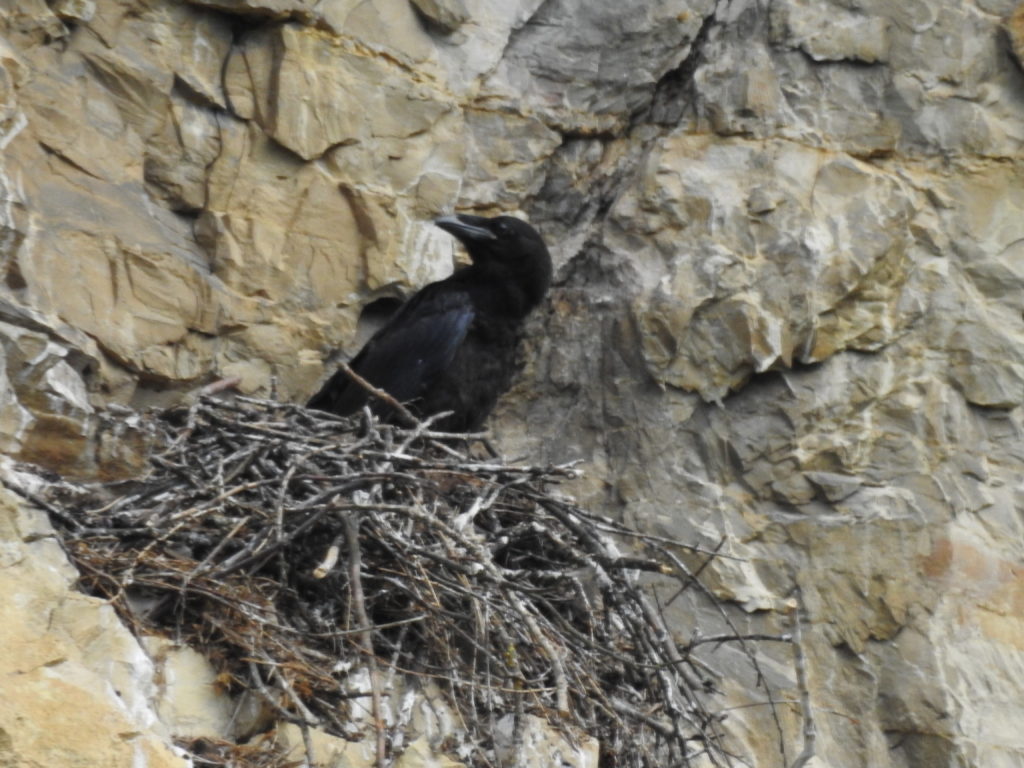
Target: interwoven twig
(300, 547)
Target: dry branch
(466, 573)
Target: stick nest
(314, 558)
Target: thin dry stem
(462, 573)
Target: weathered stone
(262, 9)
(178, 159)
(564, 41)
(828, 32)
(502, 157)
(74, 118)
(67, 658)
(190, 702)
(1014, 26)
(988, 366)
(76, 11)
(834, 486)
(14, 74)
(541, 744)
(787, 320)
(45, 407)
(328, 751)
(310, 93)
(33, 20)
(445, 15)
(771, 288)
(420, 754)
(143, 306)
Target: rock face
(67, 660)
(790, 306)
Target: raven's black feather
(451, 347)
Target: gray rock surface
(788, 313)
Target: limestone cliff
(789, 309)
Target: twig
(355, 561)
(719, 639)
(52, 509)
(380, 394)
(308, 717)
(800, 662)
(220, 385)
(467, 572)
(330, 558)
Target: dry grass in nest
(295, 549)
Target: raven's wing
(404, 356)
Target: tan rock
(419, 754)
(328, 751)
(784, 284)
(390, 28)
(80, 124)
(270, 9)
(829, 33)
(310, 93)
(15, 73)
(289, 224)
(180, 154)
(76, 11)
(190, 702)
(45, 407)
(446, 15)
(542, 744)
(67, 659)
(988, 366)
(808, 214)
(34, 21)
(140, 304)
(1014, 26)
(501, 157)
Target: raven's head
(506, 245)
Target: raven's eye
(502, 228)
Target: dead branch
(470, 574)
(809, 730)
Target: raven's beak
(466, 228)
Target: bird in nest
(452, 345)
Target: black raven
(451, 347)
